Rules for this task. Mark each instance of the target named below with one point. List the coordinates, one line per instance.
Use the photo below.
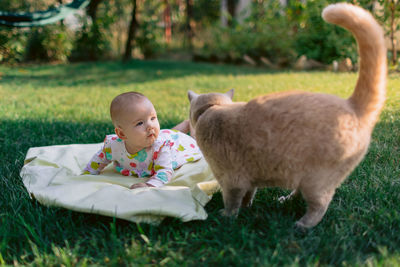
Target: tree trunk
(188, 27)
(131, 33)
(392, 31)
(61, 21)
(92, 9)
(167, 22)
(231, 10)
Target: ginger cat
(297, 140)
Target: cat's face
(200, 103)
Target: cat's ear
(230, 93)
(192, 95)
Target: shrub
(12, 45)
(149, 36)
(90, 44)
(322, 41)
(260, 35)
(48, 43)
(279, 34)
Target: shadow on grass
(361, 221)
(117, 73)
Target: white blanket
(52, 176)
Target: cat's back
(299, 123)
(300, 108)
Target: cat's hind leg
(317, 204)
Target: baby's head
(135, 120)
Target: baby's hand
(138, 185)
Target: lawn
(65, 104)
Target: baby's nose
(150, 126)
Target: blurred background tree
(389, 15)
(274, 31)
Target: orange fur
(297, 140)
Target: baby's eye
(139, 123)
(153, 118)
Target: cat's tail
(370, 91)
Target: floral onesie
(170, 151)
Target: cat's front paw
(228, 213)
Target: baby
(139, 147)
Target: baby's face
(140, 126)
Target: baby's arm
(161, 177)
(99, 161)
(138, 185)
(162, 167)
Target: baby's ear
(192, 95)
(230, 93)
(120, 133)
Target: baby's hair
(120, 102)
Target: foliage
(149, 36)
(91, 44)
(390, 17)
(272, 33)
(207, 12)
(48, 43)
(281, 34)
(361, 227)
(264, 34)
(321, 41)
(12, 45)
(12, 41)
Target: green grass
(48, 105)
